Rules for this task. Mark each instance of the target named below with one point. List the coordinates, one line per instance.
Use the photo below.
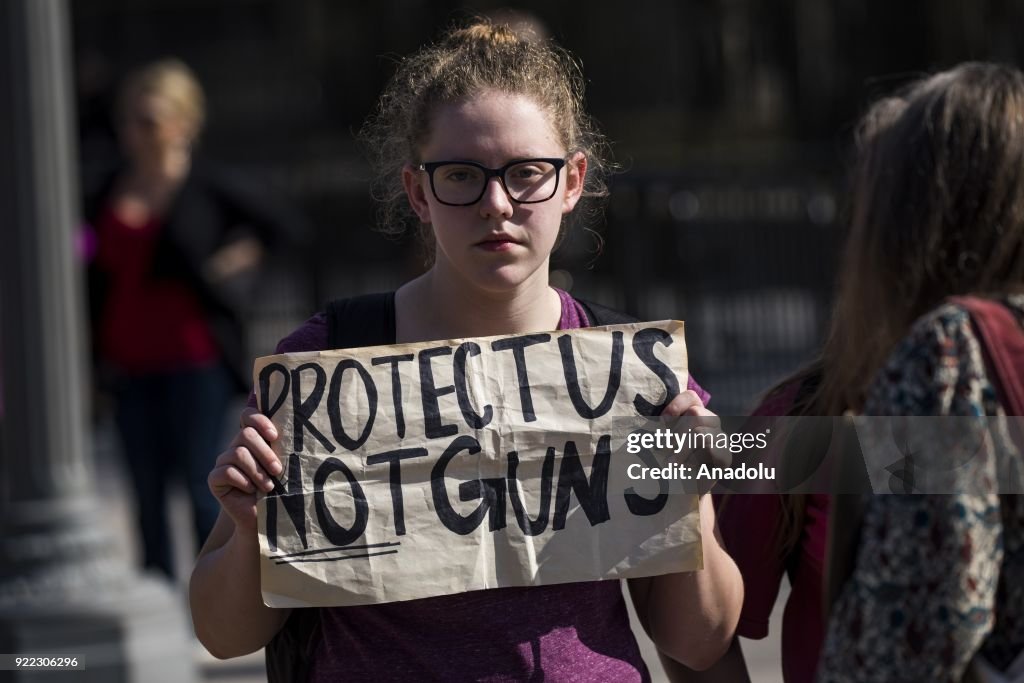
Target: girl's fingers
(253, 441)
(236, 493)
(245, 461)
(247, 466)
(242, 459)
(260, 422)
(702, 418)
(689, 405)
(683, 402)
(225, 478)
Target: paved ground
(762, 656)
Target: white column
(63, 587)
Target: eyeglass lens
(529, 181)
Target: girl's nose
(495, 201)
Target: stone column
(63, 587)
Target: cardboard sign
(427, 469)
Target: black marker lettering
(492, 491)
(531, 527)
(334, 404)
(293, 501)
(572, 381)
(432, 424)
(643, 347)
(473, 419)
(395, 458)
(264, 382)
(303, 410)
(335, 533)
(592, 494)
(396, 387)
(518, 346)
(643, 507)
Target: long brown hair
(937, 210)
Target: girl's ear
(575, 175)
(414, 183)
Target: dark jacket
(213, 207)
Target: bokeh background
(731, 123)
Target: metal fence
(749, 265)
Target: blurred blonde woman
(172, 235)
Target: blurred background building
(729, 118)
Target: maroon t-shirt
(560, 633)
(748, 524)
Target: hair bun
(486, 33)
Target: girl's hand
(243, 468)
(240, 256)
(688, 404)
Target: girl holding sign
(483, 137)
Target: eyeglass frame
(499, 173)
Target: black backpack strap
(289, 653)
(602, 315)
(367, 320)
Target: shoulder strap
(367, 320)
(289, 653)
(1002, 342)
(602, 315)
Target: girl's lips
(496, 244)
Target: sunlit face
(151, 125)
(496, 244)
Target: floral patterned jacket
(938, 578)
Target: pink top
(565, 632)
(749, 526)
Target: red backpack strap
(1002, 341)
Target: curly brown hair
(463, 63)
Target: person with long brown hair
(938, 212)
(482, 141)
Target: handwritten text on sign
(428, 469)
